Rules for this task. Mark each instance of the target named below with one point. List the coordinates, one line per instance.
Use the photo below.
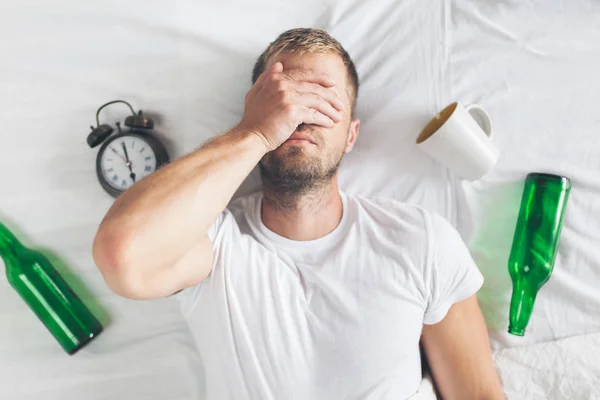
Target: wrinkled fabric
(533, 65)
(335, 317)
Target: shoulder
(398, 217)
(234, 218)
(244, 202)
(390, 211)
(242, 207)
(404, 227)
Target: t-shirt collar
(279, 241)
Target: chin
(294, 150)
(292, 156)
(296, 160)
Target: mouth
(298, 141)
(299, 137)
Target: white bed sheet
(561, 369)
(533, 66)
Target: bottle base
(84, 342)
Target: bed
(533, 65)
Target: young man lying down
(300, 291)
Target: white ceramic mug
(460, 138)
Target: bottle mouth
(566, 182)
(513, 330)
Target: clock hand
(125, 151)
(117, 153)
(132, 174)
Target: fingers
(307, 95)
(327, 93)
(276, 67)
(272, 71)
(313, 116)
(309, 75)
(275, 71)
(320, 104)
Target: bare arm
(163, 220)
(458, 352)
(153, 241)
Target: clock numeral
(115, 178)
(142, 150)
(109, 159)
(132, 144)
(110, 170)
(148, 158)
(124, 183)
(148, 168)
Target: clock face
(125, 160)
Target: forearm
(153, 241)
(458, 352)
(160, 219)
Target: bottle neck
(521, 306)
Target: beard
(295, 171)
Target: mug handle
(481, 117)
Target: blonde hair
(308, 40)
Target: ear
(352, 134)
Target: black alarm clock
(129, 156)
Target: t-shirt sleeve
(453, 275)
(217, 225)
(187, 297)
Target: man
(300, 291)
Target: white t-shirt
(338, 317)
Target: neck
(305, 216)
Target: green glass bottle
(535, 242)
(47, 294)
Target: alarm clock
(127, 157)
